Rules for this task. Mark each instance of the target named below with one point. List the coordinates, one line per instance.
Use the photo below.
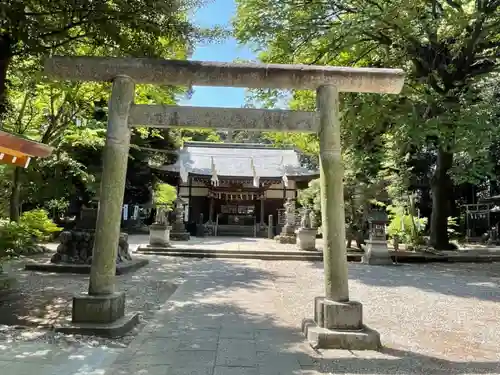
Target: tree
(449, 49)
(29, 28)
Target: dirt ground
(41, 300)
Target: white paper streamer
(215, 179)
(183, 172)
(256, 179)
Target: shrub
(407, 228)
(21, 238)
(164, 195)
(39, 224)
(15, 239)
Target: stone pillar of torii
(338, 321)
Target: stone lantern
(179, 232)
(377, 252)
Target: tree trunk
(5, 57)
(440, 187)
(15, 195)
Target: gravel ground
(435, 318)
(41, 300)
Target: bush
(21, 238)
(408, 229)
(164, 195)
(39, 223)
(15, 239)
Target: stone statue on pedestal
(159, 231)
(287, 234)
(179, 232)
(289, 212)
(305, 222)
(312, 219)
(306, 234)
(161, 216)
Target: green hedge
(22, 238)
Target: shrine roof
(235, 160)
(18, 151)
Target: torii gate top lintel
(205, 73)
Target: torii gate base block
(339, 325)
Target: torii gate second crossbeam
(338, 321)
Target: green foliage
(311, 197)
(452, 226)
(21, 238)
(164, 195)
(39, 223)
(449, 50)
(15, 239)
(407, 228)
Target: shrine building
(234, 187)
(18, 151)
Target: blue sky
(218, 12)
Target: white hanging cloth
(215, 179)
(183, 172)
(254, 173)
(284, 178)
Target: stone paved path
(222, 322)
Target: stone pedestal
(339, 325)
(76, 247)
(159, 235)
(101, 315)
(377, 253)
(287, 235)
(74, 255)
(286, 238)
(179, 233)
(306, 238)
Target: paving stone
(178, 330)
(29, 368)
(275, 340)
(188, 358)
(235, 332)
(139, 370)
(158, 346)
(236, 352)
(199, 343)
(222, 370)
(192, 370)
(277, 363)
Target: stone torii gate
(338, 321)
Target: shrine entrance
(338, 321)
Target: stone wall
(76, 248)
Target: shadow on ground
(44, 299)
(466, 280)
